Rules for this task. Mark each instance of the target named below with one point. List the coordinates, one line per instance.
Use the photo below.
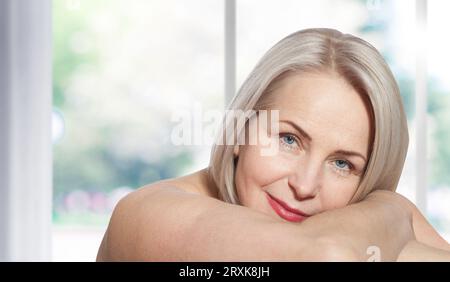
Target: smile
(284, 211)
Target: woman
(326, 194)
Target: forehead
(325, 106)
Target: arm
(380, 220)
(423, 230)
(428, 245)
(168, 224)
(417, 251)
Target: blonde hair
(361, 65)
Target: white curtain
(25, 130)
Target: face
(324, 135)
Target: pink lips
(285, 211)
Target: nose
(305, 181)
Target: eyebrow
(298, 128)
(350, 153)
(306, 135)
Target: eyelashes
(342, 171)
(292, 143)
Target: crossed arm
(167, 224)
(428, 244)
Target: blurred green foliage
(97, 152)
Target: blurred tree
(111, 138)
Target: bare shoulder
(197, 183)
(142, 220)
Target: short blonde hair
(362, 66)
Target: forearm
(227, 232)
(340, 235)
(377, 221)
(171, 225)
(424, 231)
(417, 251)
(236, 233)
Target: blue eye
(341, 164)
(289, 139)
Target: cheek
(337, 193)
(254, 172)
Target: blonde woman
(326, 194)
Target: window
(438, 117)
(121, 69)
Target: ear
(236, 150)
